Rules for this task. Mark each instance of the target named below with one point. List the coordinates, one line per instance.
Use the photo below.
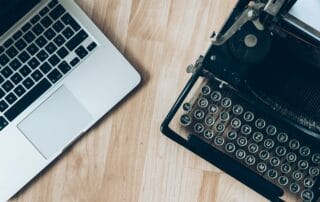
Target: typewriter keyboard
(224, 120)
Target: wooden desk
(125, 157)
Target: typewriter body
(252, 105)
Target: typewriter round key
(186, 107)
(185, 120)
(307, 195)
(220, 128)
(257, 137)
(248, 116)
(308, 182)
(273, 174)
(198, 128)
(297, 175)
(250, 160)
(230, 147)
(282, 137)
(314, 171)
(281, 151)
(253, 148)
(232, 135)
(203, 103)
(224, 116)
(291, 157)
(304, 151)
(271, 130)
(294, 144)
(240, 154)
(264, 155)
(274, 161)
(242, 141)
(246, 129)
(268, 143)
(235, 123)
(260, 123)
(208, 134)
(316, 159)
(226, 102)
(294, 188)
(205, 90)
(216, 96)
(261, 167)
(283, 180)
(198, 114)
(285, 168)
(219, 141)
(209, 121)
(303, 164)
(213, 109)
(237, 109)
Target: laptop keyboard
(37, 56)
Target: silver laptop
(58, 76)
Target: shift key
(76, 40)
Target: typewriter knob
(250, 45)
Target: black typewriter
(252, 105)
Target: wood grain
(125, 157)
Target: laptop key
(26, 27)
(37, 75)
(38, 29)
(2, 93)
(76, 40)
(45, 68)
(62, 52)
(54, 60)
(16, 78)
(20, 44)
(46, 22)
(42, 55)
(15, 64)
(11, 98)
(25, 71)
(81, 52)
(50, 34)
(92, 46)
(12, 52)
(24, 56)
(68, 33)
(7, 86)
(51, 48)
(4, 60)
(29, 37)
(68, 20)
(54, 76)
(17, 35)
(34, 63)
(57, 12)
(3, 106)
(74, 61)
(27, 99)
(8, 43)
(44, 11)
(41, 41)
(19, 90)
(6, 72)
(28, 83)
(3, 123)
(58, 26)
(59, 40)
(64, 67)
(32, 49)
(53, 3)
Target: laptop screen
(12, 10)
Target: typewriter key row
(224, 121)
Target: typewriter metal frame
(214, 156)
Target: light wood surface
(125, 157)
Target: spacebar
(27, 100)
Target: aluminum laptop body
(81, 81)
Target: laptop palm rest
(55, 123)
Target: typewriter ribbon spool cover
(254, 98)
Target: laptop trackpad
(55, 123)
